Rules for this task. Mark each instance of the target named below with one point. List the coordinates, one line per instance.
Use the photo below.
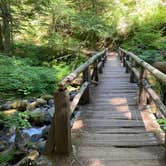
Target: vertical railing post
(59, 136)
(127, 67)
(105, 55)
(86, 97)
(163, 92)
(132, 76)
(103, 59)
(142, 92)
(62, 123)
(123, 58)
(101, 65)
(96, 71)
(120, 54)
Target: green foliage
(151, 56)
(90, 28)
(6, 157)
(63, 70)
(43, 30)
(18, 119)
(162, 123)
(18, 78)
(145, 35)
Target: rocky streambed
(25, 145)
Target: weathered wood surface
(111, 131)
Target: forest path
(111, 130)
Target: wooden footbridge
(117, 123)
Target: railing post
(105, 55)
(103, 61)
(132, 76)
(119, 54)
(100, 65)
(62, 123)
(142, 92)
(96, 71)
(127, 67)
(86, 97)
(123, 58)
(59, 136)
(163, 93)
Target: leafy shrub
(34, 54)
(18, 78)
(151, 56)
(18, 119)
(90, 28)
(162, 123)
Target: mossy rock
(20, 105)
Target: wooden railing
(139, 72)
(59, 137)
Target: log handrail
(129, 61)
(59, 136)
(73, 75)
(158, 74)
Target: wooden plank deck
(112, 131)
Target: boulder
(39, 102)
(20, 105)
(51, 111)
(41, 146)
(36, 137)
(45, 131)
(47, 97)
(51, 102)
(21, 141)
(43, 160)
(9, 112)
(6, 106)
(29, 159)
(31, 106)
(40, 117)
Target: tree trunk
(6, 29)
(1, 39)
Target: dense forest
(42, 41)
